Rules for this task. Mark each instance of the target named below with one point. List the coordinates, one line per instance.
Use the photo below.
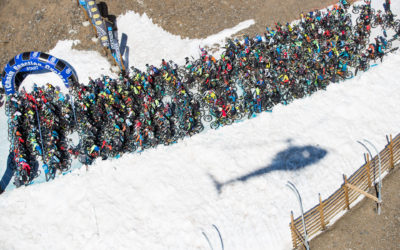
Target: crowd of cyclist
(141, 109)
(38, 125)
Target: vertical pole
(294, 236)
(94, 28)
(368, 172)
(321, 213)
(346, 192)
(208, 240)
(220, 237)
(296, 192)
(122, 63)
(40, 133)
(84, 11)
(391, 153)
(380, 176)
(73, 107)
(370, 154)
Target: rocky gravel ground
(38, 24)
(363, 228)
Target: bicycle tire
(374, 24)
(197, 97)
(199, 128)
(228, 121)
(367, 67)
(349, 74)
(214, 125)
(239, 116)
(51, 174)
(182, 135)
(47, 175)
(207, 118)
(250, 115)
(396, 24)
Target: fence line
(318, 217)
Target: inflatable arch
(25, 63)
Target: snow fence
(326, 212)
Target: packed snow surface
(164, 198)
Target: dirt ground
(37, 25)
(363, 228)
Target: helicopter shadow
(291, 159)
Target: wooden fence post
(294, 237)
(368, 172)
(321, 213)
(346, 192)
(391, 166)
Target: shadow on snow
(291, 159)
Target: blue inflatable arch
(28, 62)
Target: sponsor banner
(35, 62)
(114, 45)
(97, 21)
(107, 35)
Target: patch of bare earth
(37, 25)
(362, 228)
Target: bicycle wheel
(197, 97)
(199, 128)
(396, 24)
(250, 115)
(214, 124)
(239, 116)
(374, 24)
(182, 134)
(167, 142)
(207, 118)
(51, 174)
(228, 121)
(206, 106)
(17, 182)
(325, 83)
(366, 68)
(349, 74)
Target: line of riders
(161, 105)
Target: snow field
(164, 198)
